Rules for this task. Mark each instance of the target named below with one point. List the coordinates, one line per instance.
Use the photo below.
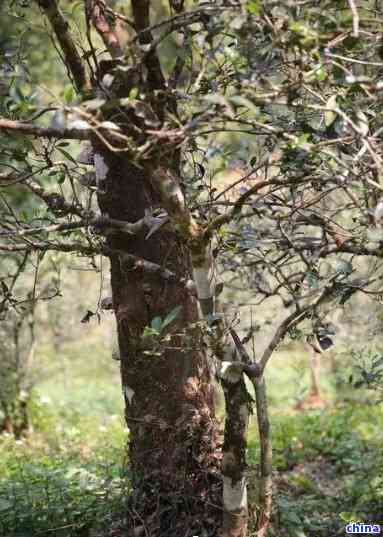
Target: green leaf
(302, 141)
(69, 94)
(66, 155)
(61, 177)
(4, 504)
(156, 324)
(171, 316)
(320, 74)
(347, 516)
(338, 73)
(350, 42)
(150, 332)
(312, 280)
(253, 7)
(378, 362)
(133, 94)
(344, 267)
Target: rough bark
(167, 385)
(265, 482)
(72, 57)
(237, 402)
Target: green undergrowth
(328, 469)
(67, 479)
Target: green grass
(67, 480)
(328, 469)
(67, 475)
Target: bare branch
(119, 16)
(71, 55)
(101, 224)
(56, 202)
(183, 19)
(250, 367)
(265, 489)
(141, 16)
(44, 132)
(290, 321)
(168, 186)
(47, 246)
(65, 226)
(97, 9)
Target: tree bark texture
(265, 481)
(167, 385)
(237, 402)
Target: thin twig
(355, 18)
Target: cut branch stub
(203, 278)
(231, 371)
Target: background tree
(17, 342)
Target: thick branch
(183, 19)
(173, 201)
(47, 246)
(282, 330)
(71, 55)
(64, 226)
(102, 224)
(250, 367)
(141, 16)
(254, 372)
(134, 263)
(56, 202)
(129, 262)
(266, 458)
(168, 186)
(97, 9)
(44, 132)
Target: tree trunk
(315, 365)
(237, 403)
(15, 419)
(166, 381)
(17, 343)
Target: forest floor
(66, 479)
